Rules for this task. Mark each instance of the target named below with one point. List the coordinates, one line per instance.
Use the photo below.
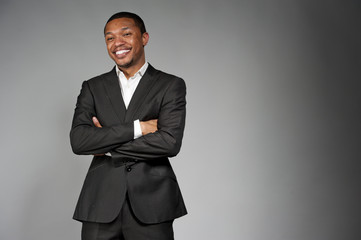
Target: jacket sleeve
(87, 139)
(166, 142)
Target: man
(131, 119)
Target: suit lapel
(113, 90)
(141, 92)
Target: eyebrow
(122, 29)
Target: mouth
(122, 53)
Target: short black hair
(138, 21)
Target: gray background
(272, 142)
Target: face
(125, 44)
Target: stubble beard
(126, 65)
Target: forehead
(119, 24)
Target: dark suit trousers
(127, 227)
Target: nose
(119, 41)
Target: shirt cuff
(137, 129)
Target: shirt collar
(141, 71)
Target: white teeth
(121, 52)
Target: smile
(121, 52)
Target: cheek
(110, 53)
(109, 47)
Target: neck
(130, 71)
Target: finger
(96, 122)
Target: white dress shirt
(128, 87)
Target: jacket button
(129, 169)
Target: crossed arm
(161, 137)
(147, 127)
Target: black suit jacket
(151, 184)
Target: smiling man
(131, 120)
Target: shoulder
(96, 83)
(165, 78)
(100, 78)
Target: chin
(124, 64)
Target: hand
(98, 125)
(149, 126)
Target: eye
(110, 38)
(127, 34)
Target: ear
(145, 38)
